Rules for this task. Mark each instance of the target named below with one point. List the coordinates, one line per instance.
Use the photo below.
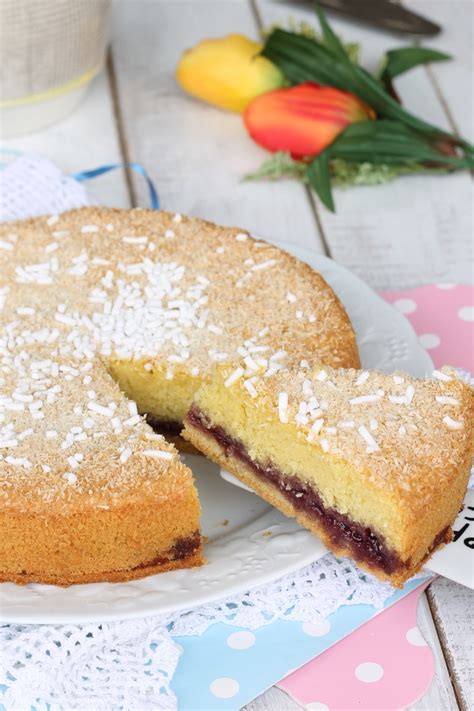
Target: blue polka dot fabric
(227, 667)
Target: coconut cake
(108, 316)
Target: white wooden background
(413, 231)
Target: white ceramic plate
(249, 542)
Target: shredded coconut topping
(283, 407)
(158, 454)
(90, 288)
(440, 375)
(447, 400)
(392, 434)
(365, 434)
(364, 398)
(363, 377)
(452, 424)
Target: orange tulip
(304, 119)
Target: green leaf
(401, 60)
(301, 27)
(383, 142)
(387, 141)
(304, 59)
(319, 179)
(331, 40)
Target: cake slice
(375, 465)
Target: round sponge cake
(107, 315)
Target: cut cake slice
(375, 465)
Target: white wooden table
(413, 231)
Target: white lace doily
(32, 185)
(129, 665)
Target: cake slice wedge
(375, 465)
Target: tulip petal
(304, 119)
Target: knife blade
(383, 13)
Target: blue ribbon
(83, 175)
(137, 167)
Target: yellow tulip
(227, 72)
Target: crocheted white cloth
(32, 185)
(129, 665)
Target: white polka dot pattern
(316, 629)
(369, 672)
(415, 638)
(224, 687)
(241, 640)
(466, 313)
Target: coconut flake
(453, 424)
(363, 377)
(283, 407)
(158, 454)
(367, 437)
(233, 377)
(447, 400)
(249, 386)
(439, 375)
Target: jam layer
(361, 542)
(183, 548)
(164, 427)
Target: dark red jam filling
(360, 541)
(183, 548)
(164, 427)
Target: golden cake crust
(387, 452)
(269, 493)
(150, 298)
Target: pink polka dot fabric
(386, 664)
(443, 318)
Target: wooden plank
(273, 700)
(453, 79)
(452, 606)
(413, 230)
(85, 139)
(197, 154)
(441, 694)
